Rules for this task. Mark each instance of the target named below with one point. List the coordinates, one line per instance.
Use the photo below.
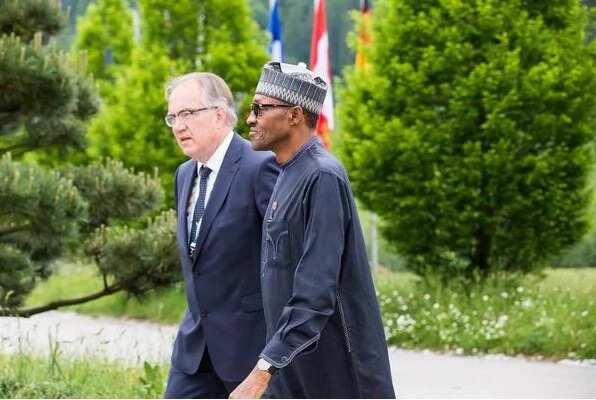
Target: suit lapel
(228, 170)
(187, 181)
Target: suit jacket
(225, 312)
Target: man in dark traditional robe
(325, 336)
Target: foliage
(117, 193)
(24, 376)
(152, 381)
(580, 254)
(151, 252)
(131, 127)
(554, 318)
(44, 100)
(30, 239)
(177, 37)
(106, 35)
(47, 213)
(469, 135)
(25, 18)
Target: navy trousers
(203, 384)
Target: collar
(310, 143)
(216, 159)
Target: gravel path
(416, 374)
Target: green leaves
(470, 135)
(49, 213)
(26, 18)
(43, 100)
(177, 38)
(39, 216)
(138, 260)
(115, 192)
(105, 33)
(40, 208)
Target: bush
(469, 134)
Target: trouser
(203, 384)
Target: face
(270, 129)
(198, 134)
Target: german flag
(364, 35)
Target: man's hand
(253, 386)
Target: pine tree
(47, 213)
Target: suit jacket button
(284, 359)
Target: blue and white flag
(275, 47)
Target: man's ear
(296, 116)
(221, 114)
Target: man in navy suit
(222, 193)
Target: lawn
(554, 317)
(24, 376)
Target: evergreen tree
(47, 213)
(469, 134)
(177, 37)
(106, 35)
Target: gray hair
(215, 92)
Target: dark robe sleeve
(314, 293)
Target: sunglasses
(257, 109)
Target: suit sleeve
(314, 294)
(265, 181)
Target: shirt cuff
(279, 354)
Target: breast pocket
(278, 244)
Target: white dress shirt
(214, 164)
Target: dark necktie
(199, 208)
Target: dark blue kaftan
(324, 328)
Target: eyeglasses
(257, 109)
(184, 115)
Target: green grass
(23, 376)
(164, 306)
(554, 317)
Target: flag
(274, 26)
(364, 36)
(320, 64)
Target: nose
(251, 120)
(179, 126)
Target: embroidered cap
(293, 84)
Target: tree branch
(21, 147)
(14, 229)
(27, 312)
(105, 280)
